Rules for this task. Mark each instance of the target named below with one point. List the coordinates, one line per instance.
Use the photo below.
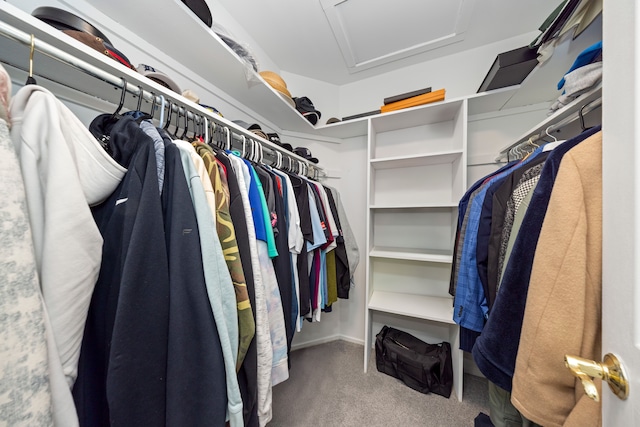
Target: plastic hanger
(30, 79)
(122, 97)
(140, 96)
(201, 128)
(249, 156)
(175, 131)
(227, 132)
(162, 104)
(152, 113)
(143, 116)
(196, 128)
(260, 152)
(169, 114)
(186, 125)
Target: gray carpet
(327, 387)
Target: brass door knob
(610, 370)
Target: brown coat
(563, 309)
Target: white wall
(460, 74)
(325, 96)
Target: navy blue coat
(123, 359)
(196, 378)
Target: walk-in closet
(332, 212)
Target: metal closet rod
(176, 104)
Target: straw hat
(277, 82)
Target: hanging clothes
(217, 278)
(565, 289)
(197, 267)
(24, 364)
(296, 242)
(492, 223)
(123, 362)
(495, 350)
(227, 235)
(195, 360)
(281, 262)
(64, 171)
(470, 304)
(350, 244)
(277, 329)
(302, 263)
(248, 373)
(263, 335)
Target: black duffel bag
(423, 367)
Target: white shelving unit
(417, 174)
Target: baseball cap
(275, 138)
(305, 153)
(159, 77)
(253, 127)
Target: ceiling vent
(372, 33)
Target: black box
(510, 68)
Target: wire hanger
(30, 79)
(581, 116)
(549, 135)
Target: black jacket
(196, 378)
(123, 360)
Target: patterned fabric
(527, 182)
(25, 396)
(227, 235)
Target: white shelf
(444, 205)
(417, 116)
(417, 160)
(492, 101)
(426, 255)
(438, 309)
(569, 110)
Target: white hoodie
(65, 170)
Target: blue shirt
(319, 237)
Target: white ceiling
(377, 36)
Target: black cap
(305, 153)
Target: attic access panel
(371, 33)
